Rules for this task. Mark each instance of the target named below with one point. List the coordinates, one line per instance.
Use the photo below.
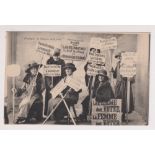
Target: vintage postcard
(77, 78)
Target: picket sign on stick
(13, 71)
(91, 96)
(128, 99)
(128, 70)
(67, 108)
(62, 99)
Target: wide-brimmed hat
(56, 52)
(102, 72)
(71, 66)
(32, 65)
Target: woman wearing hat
(30, 108)
(71, 96)
(102, 90)
(121, 87)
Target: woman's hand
(14, 90)
(34, 84)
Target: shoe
(20, 120)
(83, 117)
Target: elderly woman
(71, 96)
(30, 108)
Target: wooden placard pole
(13, 99)
(91, 96)
(128, 99)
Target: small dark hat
(56, 52)
(32, 65)
(92, 49)
(118, 55)
(102, 73)
(70, 65)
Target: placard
(96, 56)
(93, 69)
(106, 113)
(103, 44)
(75, 50)
(128, 70)
(45, 48)
(74, 84)
(58, 88)
(52, 70)
(128, 67)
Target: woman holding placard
(121, 87)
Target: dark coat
(103, 91)
(37, 105)
(71, 98)
(121, 89)
(48, 80)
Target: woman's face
(101, 78)
(69, 71)
(119, 58)
(56, 58)
(33, 71)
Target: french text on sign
(107, 113)
(75, 50)
(45, 48)
(52, 70)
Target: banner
(52, 70)
(93, 69)
(75, 50)
(106, 113)
(45, 48)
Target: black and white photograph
(77, 78)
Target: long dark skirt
(121, 93)
(36, 110)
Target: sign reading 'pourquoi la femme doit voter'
(106, 113)
(75, 50)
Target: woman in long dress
(30, 108)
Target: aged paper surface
(77, 78)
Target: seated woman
(71, 96)
(30, 108)
(102, 90)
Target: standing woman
(51, 82)
(30, 108)
(121, 87)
